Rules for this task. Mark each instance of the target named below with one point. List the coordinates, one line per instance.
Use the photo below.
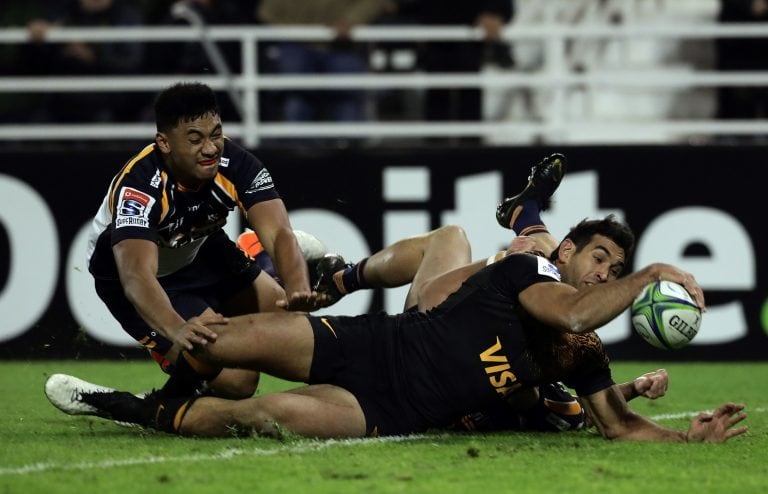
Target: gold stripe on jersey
(164, 202)
(226, 186)
(148, 343)
(127, 168)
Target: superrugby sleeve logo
(133, 208)
(546, 268)
(262, 181)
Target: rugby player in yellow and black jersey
(159, 255)
(522, 321)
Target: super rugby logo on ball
(665, 315)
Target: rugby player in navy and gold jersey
(159, 255)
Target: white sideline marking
(233, 452)
(223, 455)
(687, 415)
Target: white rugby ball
(665, 315)
(311, 247)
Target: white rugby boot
(66, 392)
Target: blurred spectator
(14, 107)
(191, 57)
(197, 57)
(737, 54)
(39, 57)
(339, 56)
(491, 16)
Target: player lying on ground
(517, 323)
(425, 261)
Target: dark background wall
(701, 206)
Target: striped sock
(528, 220)
(353, 278)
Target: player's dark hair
(610, 227)
(184, 102)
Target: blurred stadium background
(641, 96)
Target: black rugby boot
(544, 179)
(327, 266)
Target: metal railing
(554, 76)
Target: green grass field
(46, 451)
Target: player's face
(600, 261)
(193, 149)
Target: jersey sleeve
(517, 272)
(591, 382)
(136, 206)
(251, 179)
(594, 372)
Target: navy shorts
(208, 282)
(358, 354)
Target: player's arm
(609, 412)
(562, 306)
(269, 219)
(137, 266)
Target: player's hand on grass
(718, 426)
(652, 385)
(304, 301)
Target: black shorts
(208, 282)
(359, 354)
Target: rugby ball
(665, 315)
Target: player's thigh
(279, 343)
(322, 410)
(313, 411)
(260, 296)
(448, 249)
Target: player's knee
(235, 384)
(451, 235)
(451, 232)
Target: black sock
(185, 380)
(154, 410)
(168, 413)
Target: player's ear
(162, 143)
(565, 250)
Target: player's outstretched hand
(718, 426)
(304, 301)
(668, 272)
(652, 385)
(196, 332)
